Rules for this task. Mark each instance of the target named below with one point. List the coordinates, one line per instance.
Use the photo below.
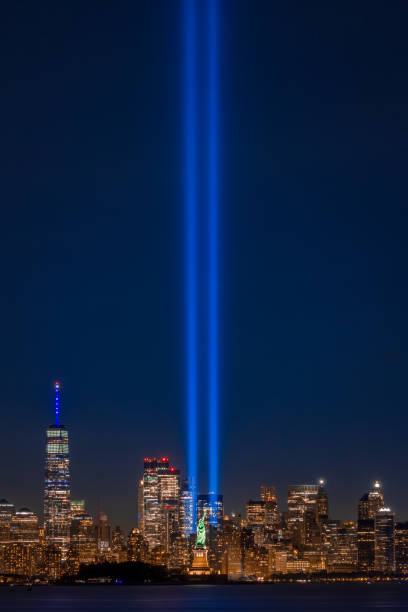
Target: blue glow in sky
(213, 315)
(191, 239)
(313, 332)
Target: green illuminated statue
(200, 542)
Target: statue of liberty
(200, 542)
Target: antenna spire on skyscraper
(57, 388)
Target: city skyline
(311, 232)
(266, 543)
(57, 475)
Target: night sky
(313, 252)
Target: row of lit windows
(57, 433)
(57, 448)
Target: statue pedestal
(199, 566)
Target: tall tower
(268, 495)
(302, 513)
(322, 503)
(57, 483)
(368, 507)
(161, 496)
(385, 541)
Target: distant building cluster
(263, 543)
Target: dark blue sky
(313, 144)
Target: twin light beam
(192, 216)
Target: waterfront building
(232, 548)
(341, 538)
(22, 558)
(137, 547)
(24, 527)
(21, 553)
(52, 564)
(7, 511)
(401, 547)
(119, 551)
(385, 541)
(368, 507)
(83, 546)
(302, 518)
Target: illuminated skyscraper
(119, 553)
(371, 502)
(24, 527)
(137, 548)
(161, 507)
(232, 547)
(368, 506)
(384, 541)
(140, 505)
(186, 510)
(401, 547)
(302, 513)
(268, 495)
(23, 553)
(341, 544)
(7, 511)
(255, 512)
(57, 484)
(322, 503)
(83, 547)
(256, 520)
(151, 503)
(103, 531)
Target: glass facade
(161, 502)
(384, 541)
(57, 487)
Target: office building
(161, 504)
(186, 510)
(302, 518)
(368, 507)
(57, 484)
(83, 546)
(7, 511)
(137, 547)
(103, 530)
(268, 496)
(322, 502)
(401, 548)
(385, 541)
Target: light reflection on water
(241, 598)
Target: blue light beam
(190, 53)
(213, 315)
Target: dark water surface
(276, 597)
